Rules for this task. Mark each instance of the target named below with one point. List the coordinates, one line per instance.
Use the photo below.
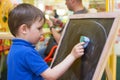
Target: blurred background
(51, 8)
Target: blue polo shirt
(24, 62)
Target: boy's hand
(78, 50)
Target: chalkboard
(94, 26)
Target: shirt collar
(17, 41)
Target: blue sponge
(86, 40)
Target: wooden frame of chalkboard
(101, 28)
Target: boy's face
(35, 32)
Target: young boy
(24, 62)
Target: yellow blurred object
(5, 6)
(112, 64)
(107, 5)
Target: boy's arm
(58, 70)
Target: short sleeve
(35, 62)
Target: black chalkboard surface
(97, 29)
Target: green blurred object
(4, 18)
(45, 25)
(3, 67)
(82, 39)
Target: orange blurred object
(49, 57)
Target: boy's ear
(23, 28)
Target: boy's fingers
(80, 44)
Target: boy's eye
(39, 28)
